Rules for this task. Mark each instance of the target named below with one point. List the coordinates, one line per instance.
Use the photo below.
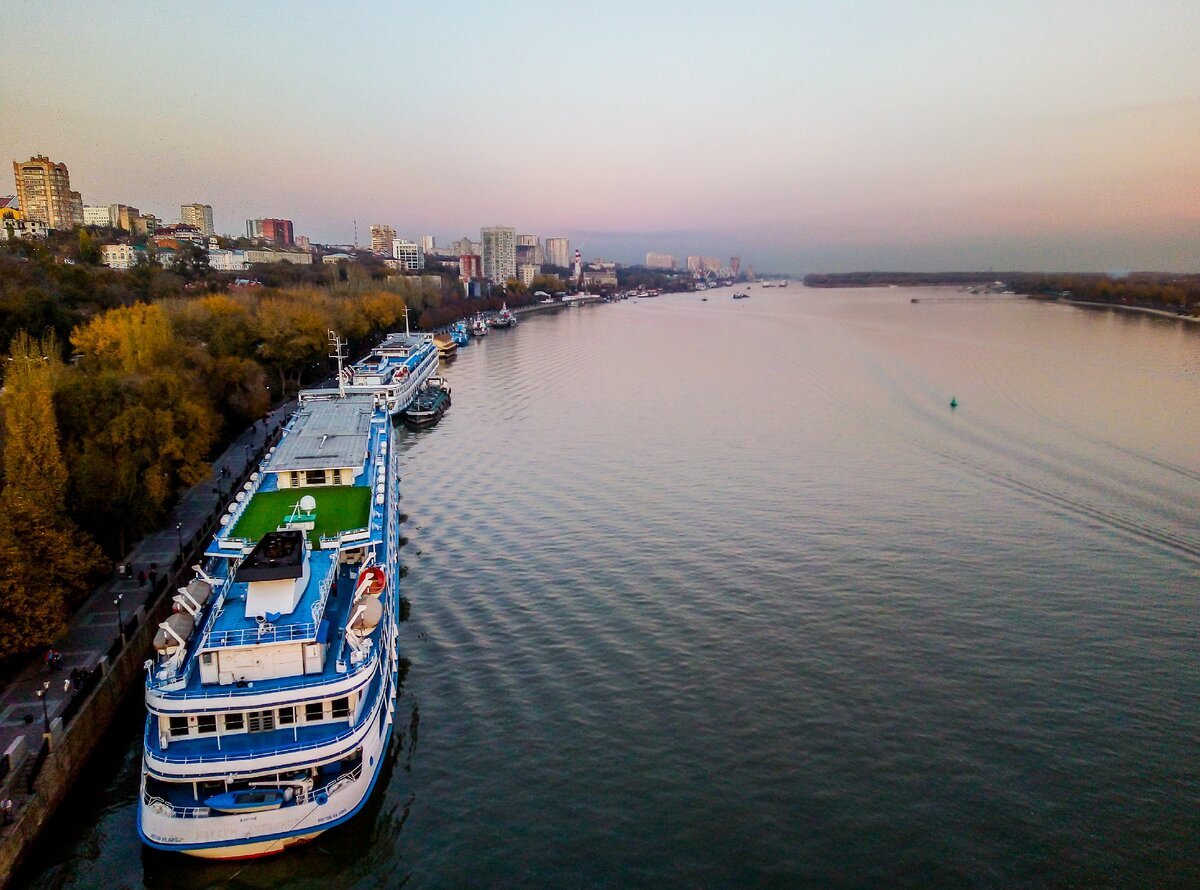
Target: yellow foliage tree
(132, 339)
(45, 560)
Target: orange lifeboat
(372, 581)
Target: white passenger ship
(272, 696)
(396, 370)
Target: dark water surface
(724, 594)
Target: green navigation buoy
(953, 402)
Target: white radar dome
(308, 503)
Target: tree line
(1152, 290)
(118, 389)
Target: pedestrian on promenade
(141, 577)
(6, 810)
(153, 573)
(53, 659)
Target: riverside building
(499, 253)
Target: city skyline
(810, 139)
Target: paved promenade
(96, 627)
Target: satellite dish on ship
(308, 503)
(224, 520)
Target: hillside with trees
(120, 386)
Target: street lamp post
(120, 616)
(42, 693)
(179, 538)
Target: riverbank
(1125, 308)
(51, 720)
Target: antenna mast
(338, 345)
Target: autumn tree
(46, 562)
(138, 421)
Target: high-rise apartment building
(277, 230)
(198, 215)
(533, 252)
(381, 239)
(558, 252)
(660, 261)
(735, 266)
(428, 243)
(409, 254)
(461, 247)
(44, 192)
(499, 245)
(470, 265)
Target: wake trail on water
(1051, 461)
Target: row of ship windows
(259, 721)
(316, 477)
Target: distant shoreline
(1126, 308)
(1164, 294)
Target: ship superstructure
(395, 370)
(272, 694)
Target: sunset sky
(802, 136)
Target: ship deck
(339, 508)
(332, 628)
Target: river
(724, 593)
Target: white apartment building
(409, 253)
(428, 243)
(660, 261)
(96, 216)
(119, 256)
(499, 244)
(227, 260)
(558, 252)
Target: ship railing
(169, 809)
(332, 542)
(255, 484)
(330, 787)
(230, 691)
(258, 753)
(232, 543)
(247, 636)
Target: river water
(716, 593)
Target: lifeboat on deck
(365, 615)
(372, 581)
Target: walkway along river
(54, 718)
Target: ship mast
(338, 345)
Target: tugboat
(505, 319)
(429, 405)
(479, 326)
